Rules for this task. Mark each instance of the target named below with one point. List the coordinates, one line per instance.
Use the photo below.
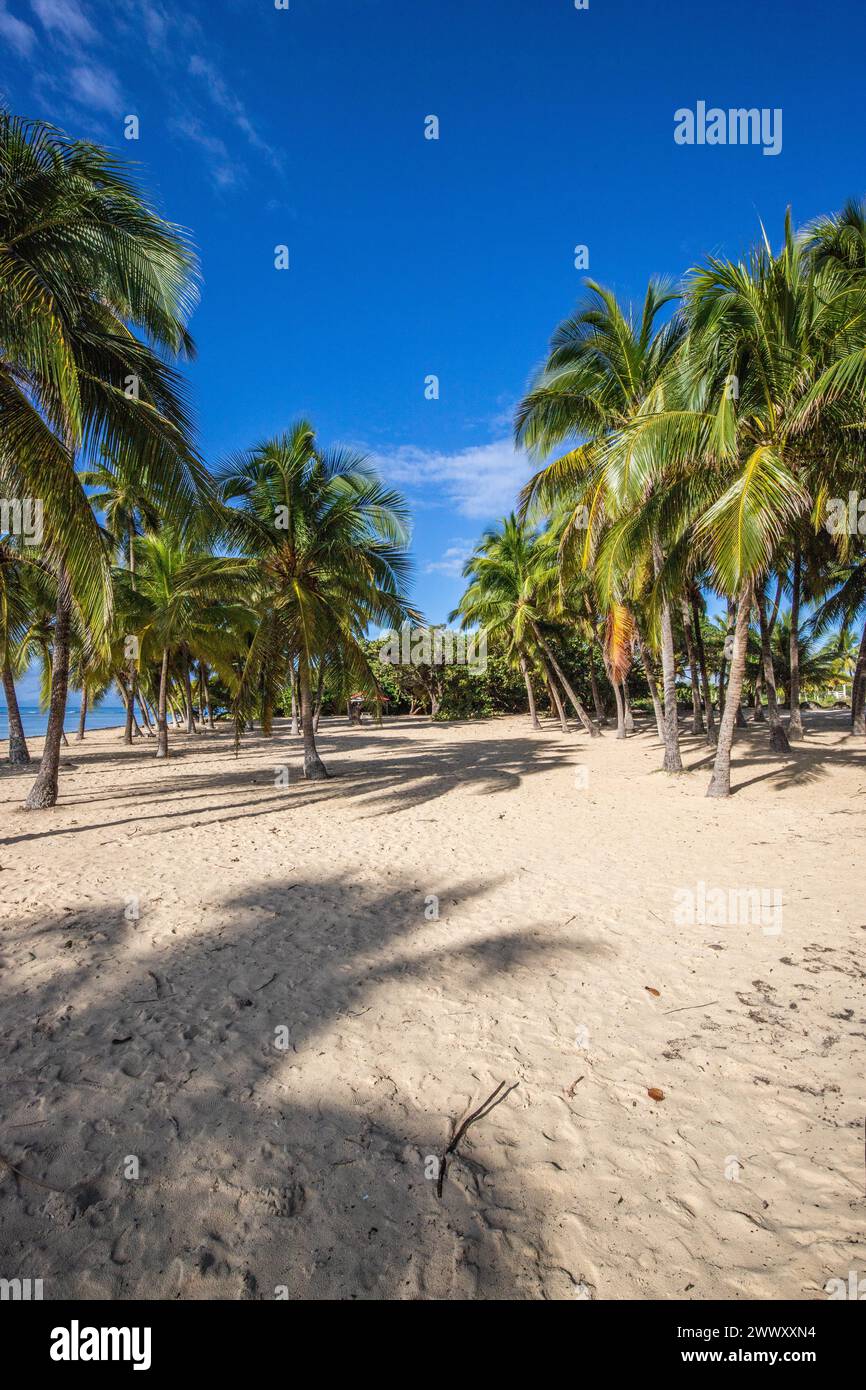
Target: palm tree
(186, 603)
(514, 593)
(94, 287)
(767, 418)
(326, 542)
(607, 365)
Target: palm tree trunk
(320, 692)
(720, 782)
(626, 703)
(43, 793)
(778, 737)
(649, 672)
(795, 723)
(697, 713)
(672, 760)
(620, 709)
(598, 705)
(162, 711)
(858, 690)
(19, 754)
(577, 706)
(210, 719)
(530, 693)
(758, 716)
(82, 715)
(295, 729)
(314, 768)
(702, 665)
(146, 713)
(187, 696)
(556, 705)
(132, 725)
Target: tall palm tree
(327, 547)
(95, 291)
(607, 364)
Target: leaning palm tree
(326, 546)
(95, 291)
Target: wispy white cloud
(453, 559)
(223, 97)
(16, 33)
(481, 482)
(96, 87)
(65, 18)
(223, 168)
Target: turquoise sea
(34, 721)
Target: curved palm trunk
(795, 723)
(649, 672)
(19, 754)
(162, 711)
(43, 793)
(314, 768)
(82, 715)
(697, 712)
(720, 782)
(702, 666)
(858, 690)
(778, 737)
(577, 706)
(530, 693)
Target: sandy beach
(240, 1019)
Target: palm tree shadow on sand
(304, 1167)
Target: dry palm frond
(618, 635)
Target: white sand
(304, 907)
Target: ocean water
(35, 722)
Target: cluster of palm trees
(692, 448)
(151, 573)
(687, 449)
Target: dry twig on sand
(483, 1110)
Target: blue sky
(409, 257)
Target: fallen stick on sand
(483, 1110)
